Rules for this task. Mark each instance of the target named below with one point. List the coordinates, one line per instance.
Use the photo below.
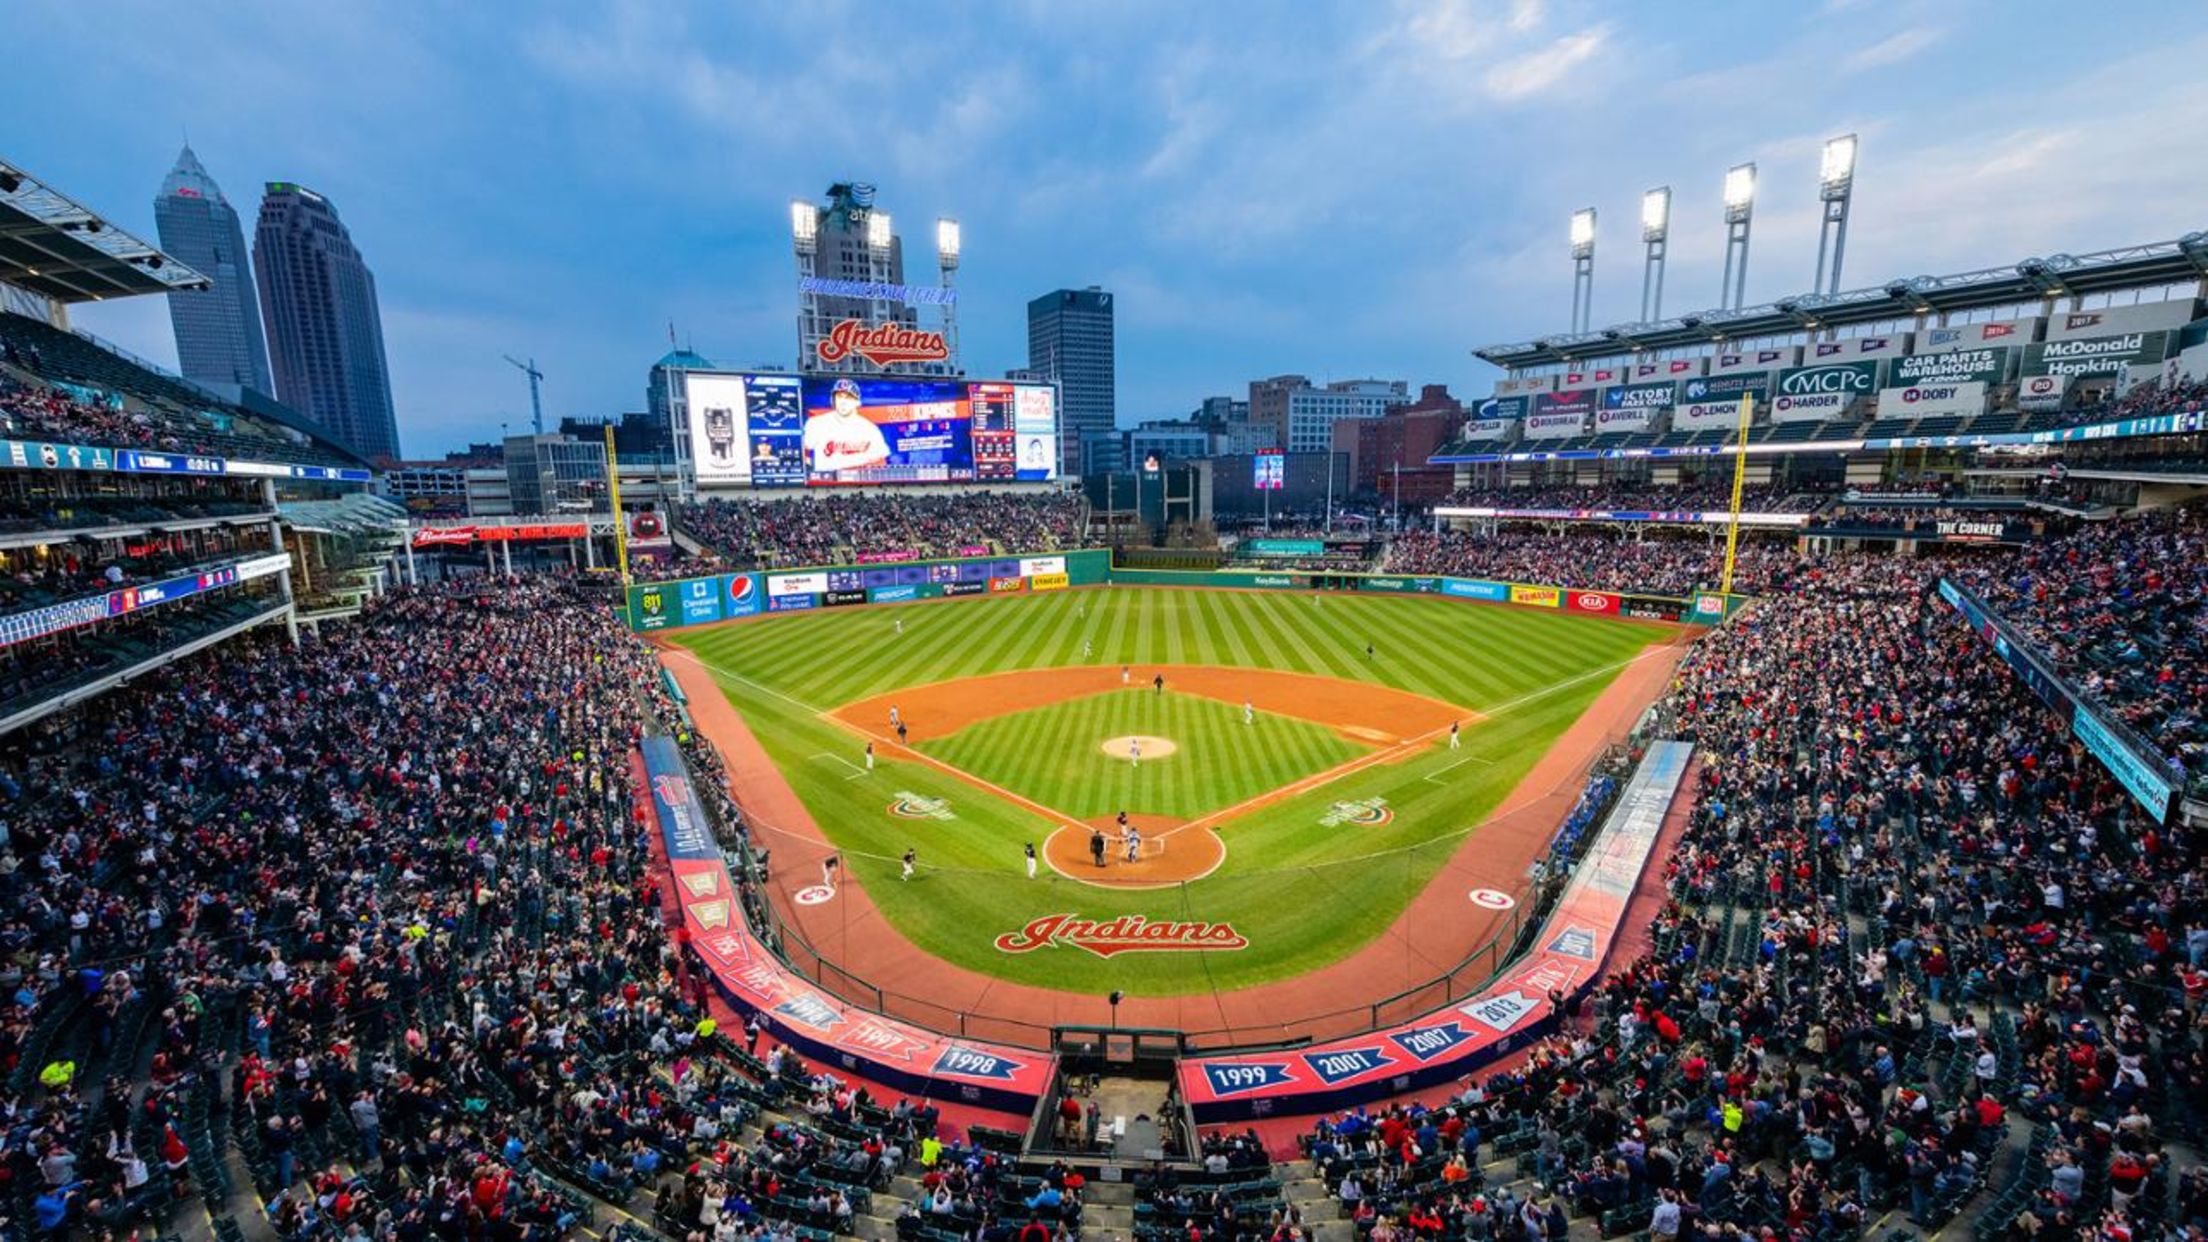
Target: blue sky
(1340, 189)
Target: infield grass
(1052, 754)
(1303, 893)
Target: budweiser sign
(1129, 933)
(882, 343)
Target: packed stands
(1695, 498)
(840, 528)
(57, 386)
(2119, 605)
(1914, 961)
(1597, 559)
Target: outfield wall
(733, 597)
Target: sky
(1337, 189)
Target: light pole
(804, 242)
(1655, 232)
(1583, 267)
(1740, 207)
(947, 239)
(1835, 187)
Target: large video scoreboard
(778, 430)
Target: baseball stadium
(1737, 776)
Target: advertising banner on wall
(1931, 400)
(2095, 355)
(2006, 333)
(1560, 415)
(1634, 407)
(1756, 360)
(1986, 365)
(1669, 368)
(2041, 393)
(1508, 408)
(1807, 394)
(1488, 428)
(1810, 407)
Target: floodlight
(878, 234)
(804, 223)
(1583, 232)
(946, 239)
(1740, 189)
(1837, 171)
(1656, 214)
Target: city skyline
(1368, 190)
(325, 326)
(219, 339)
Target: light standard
(1740, 207)
(1835, 187)
(1655, 232)
(1583, 267)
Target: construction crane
(536, 402)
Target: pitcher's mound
(1152, 747)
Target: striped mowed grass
(1054, 755)
(1303, 893)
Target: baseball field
(1297, 767)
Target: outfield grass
(1051, 754)
(1303, 893)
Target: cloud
(1891, 50)
(1522, 77)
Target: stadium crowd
(2120, 605)
(838, 528)
(376, 915)
(1917, 949)
(1692, 497)
(1598, 560)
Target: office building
(1389, 453)
(1069, 337)
(218, 330)
(1303, 416)
(554, 474)
(325, 332)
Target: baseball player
(1096, 841)
(828, 872)
(1123, 674)
(1030, 860)
(1249, 713)
(1086, 648)
(870, 756)
(1157, 683)
(1134, 750)
(911, 857)
(1133, 840)
(900, 627)
(1455, 742)
(895, 717)
(842, 438)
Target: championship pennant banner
(1509, 1013)
(821, 1026)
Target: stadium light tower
(805, 242)
(1740, 208)
(947, 241)
(1835, 187)
(1583, 267)
(1655, 232)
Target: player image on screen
(1034, 454)
(720, 435)
(842, 438)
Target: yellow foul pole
(1740, 475)
(621, 528)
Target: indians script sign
(882, 343)
(1129, 933)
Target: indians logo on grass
(910, 805)
(1364, 813)
(1129, 933)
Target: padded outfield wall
(707, 600)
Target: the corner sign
(1129, 933)
(882, 343)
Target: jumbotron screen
(840, 431)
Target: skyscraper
(1069, 337)
(324, 330)
(218, 330)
